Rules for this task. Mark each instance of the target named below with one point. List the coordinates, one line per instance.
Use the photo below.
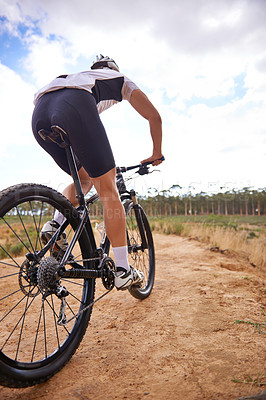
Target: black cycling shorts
(75, 111)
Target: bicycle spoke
(7, 276)
(9, 295)
(72, 295)
(39, 228)
(21, 328)
(17, 265)
(9, 265)
(36, 336)
(21, 241)
(25, 230)
(72, 282)
(70, 308)
(55, 324)
(13, 308)
(36, 229)
(44, 330)
(13, 330)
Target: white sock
(121, 259)
(58, 217)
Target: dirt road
(182, 343)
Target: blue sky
(201, 62)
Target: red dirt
(181, 343)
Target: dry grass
(245, 239)
(253, 247)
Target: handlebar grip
(125, 169)
(150, 162)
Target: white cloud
(176, 51)
(222, 144)
(47, 59)
(16, 106)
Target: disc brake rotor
(27, 279)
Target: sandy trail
(181, 343)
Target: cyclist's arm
(145, 108)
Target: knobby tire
(140, 257)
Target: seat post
(74, 173)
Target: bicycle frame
(98, 254)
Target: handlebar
(143, 168)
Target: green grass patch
(258, 380)
(232, 221)
(254, 226)
(168, 226)
(257, 325)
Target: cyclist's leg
(115, 225)
(114, 214)
(70, 193)
(86, 184)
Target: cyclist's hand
(156, 160)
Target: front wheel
(141, 253)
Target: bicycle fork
(139, 219)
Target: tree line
(170, 202)
(174, 202)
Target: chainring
(108, 269)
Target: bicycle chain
(84, 309)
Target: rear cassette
(46, 275)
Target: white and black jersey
(106, 85)
(73, 102)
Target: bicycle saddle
(56, 135)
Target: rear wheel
(33, 345)
(141, 253)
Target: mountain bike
(46, 295)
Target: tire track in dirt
(180, 343)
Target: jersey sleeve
(128, 88)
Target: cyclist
(73, 103)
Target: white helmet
(102, 62)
